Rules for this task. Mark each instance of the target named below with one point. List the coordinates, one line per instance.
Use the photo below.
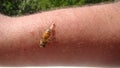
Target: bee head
(42, 44)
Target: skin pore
(86, 36)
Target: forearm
(87, 34)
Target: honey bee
(46, 35)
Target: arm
(86, 36)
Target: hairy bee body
(46, 36)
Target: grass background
(21, 7)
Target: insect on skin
(46, 36)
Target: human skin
(85, 36)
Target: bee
(46, 35)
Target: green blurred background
(22, 7)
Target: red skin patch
(32, 33)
